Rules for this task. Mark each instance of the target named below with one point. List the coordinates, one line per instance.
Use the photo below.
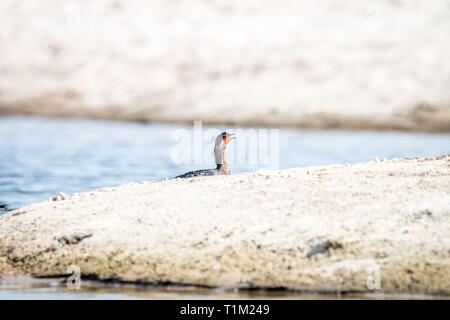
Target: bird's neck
(219, 155)
(221, 161)
(224, 168)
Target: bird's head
(225, 138)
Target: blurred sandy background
(319, 64)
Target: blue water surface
(40, 157)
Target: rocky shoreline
(380, 226)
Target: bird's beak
(229, 137)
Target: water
(40, 157)
(25, 288)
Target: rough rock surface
(330, 228)
(319, 64)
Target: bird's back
(199, 173)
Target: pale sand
(319, 64)
(314, 228)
